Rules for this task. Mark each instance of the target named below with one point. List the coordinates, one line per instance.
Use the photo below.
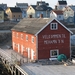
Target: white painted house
(58, 14)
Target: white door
(18, 48)
(28, 52)
(32, 54)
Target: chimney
(41, 15)
(55, 7)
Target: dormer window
(53, 26)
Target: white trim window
(26, 37)
(54, 53)
(32, 39)
(53, 26)
(17, 35)
(22, 36)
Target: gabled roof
(62, 2)
(15, 9)
(34, 6)
(41, 8)
(1, 9)
(3, 6)
(34, 25)
(58, 12)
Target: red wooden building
(41, 38)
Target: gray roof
(72, 7)
(1, 9)
(41, 8)
(15, 9)
(3, 6)
(31, 25)
(22, 4)
(62, 2)
(42, 2)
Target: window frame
(54, 55)
(52, 27)
(14, 15)
(32, 39)
(17, 35)
(26, 37)
(22, 36)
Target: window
(14, 15)
(23, 48)
(17, 35)
(26, 37)
(22, 36)
(19, 15)
(32, 51)
(17, 45)
(59, 16)
(54, 53)
(53, 26)
(32, 39)
(66, 15)
(30, 8)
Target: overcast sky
(52, 3)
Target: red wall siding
(44, 46)
(26, 44)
